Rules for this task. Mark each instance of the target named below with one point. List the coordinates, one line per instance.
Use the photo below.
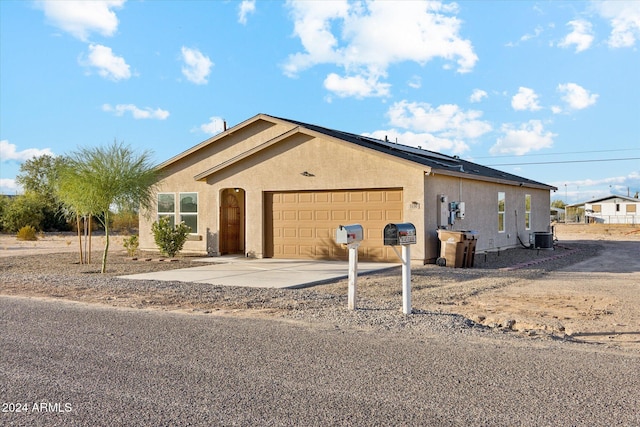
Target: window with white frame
(501, 211)
(527, 211)
(189, 210)
(167, 207)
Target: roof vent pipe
(224, 125)
(386, 138)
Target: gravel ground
(436, 291)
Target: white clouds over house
(107, 64)
(197, 66)
(624, 18)
(443, 128)
(81, 18)
(581, 35)
(525, 99)
(575, 97)
(529, 136)
(9, 152)
(478, 95)
(246, 7)
(214, 126)
(364, 39)
(136, 113)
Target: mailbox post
(405, 235)
(351, 235)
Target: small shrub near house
(27, 233)
(131, 244)
(168, 238)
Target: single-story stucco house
(274, 187)
(612, 209)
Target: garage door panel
(323, 215)
(304, 223)
(394, 215)
(393, 196)
(324, 233)
(289, 197)
(355, 216)
(306, 232)
(375, 215)
(339, 215)
(321, 197)
(356, 196)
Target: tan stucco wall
(481, 205)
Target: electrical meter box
(348, 234)
(399, 234)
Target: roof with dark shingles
(425, 157)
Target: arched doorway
(231, 221)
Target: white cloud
(246, 7)
(624, 17)
(109, 66)
(477, 95)
(136, 113)
(214, 126)
(581, 36)
(536, 33)
(415, 82)
(446, 120)
(556, 109)
(357, 86)
(530, 136)
(9, 152)
(81, 18)
(525, 99)
(364, 39)
(196, 66)
(422, 140)
(442, 128)
(577, 97)
(9, 185)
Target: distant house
(611, 209)
(557, 214)
(274, 187)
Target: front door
(230, 224)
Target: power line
(565, 161)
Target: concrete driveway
(262, 273)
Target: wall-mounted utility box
(348, 234)
(399, 234)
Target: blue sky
(549, 90)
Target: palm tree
(96, 180)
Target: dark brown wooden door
(230, 225)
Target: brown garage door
(303, 224)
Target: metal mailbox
(399, 234)
(348, 234)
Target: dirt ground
(596, 300)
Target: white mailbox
(348, 234)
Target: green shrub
(168, 238)
(23, 210)
(27, 233)
(131, 244)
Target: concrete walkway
(262, 273)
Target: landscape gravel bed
(436, 291)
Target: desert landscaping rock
(443, 299)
